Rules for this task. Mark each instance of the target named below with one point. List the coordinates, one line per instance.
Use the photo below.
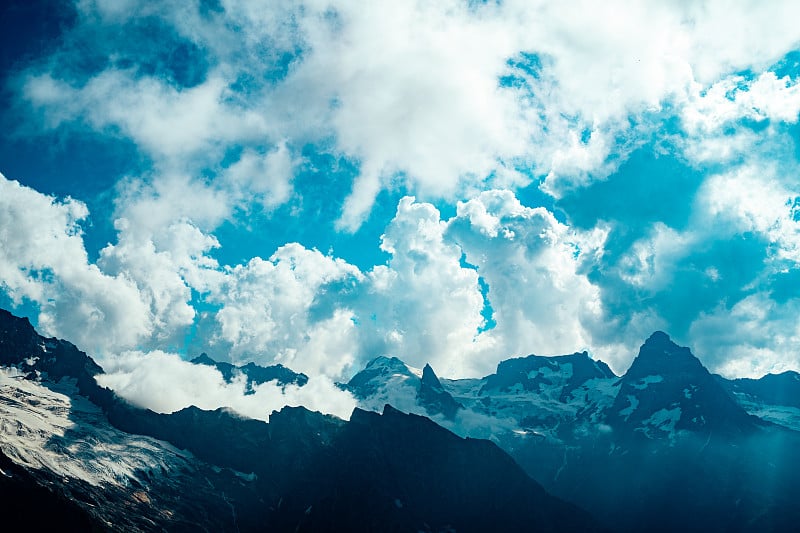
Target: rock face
(255, 374)
(538, 374)
(433, 397)
(772, 389)
(667, 389)
(95, 462)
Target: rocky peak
(557, 375)
(432, 396)
(668, 389)
(22, 347)
(660, 355)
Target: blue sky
(324, 182)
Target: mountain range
(93, 461)
(667, 446)
(556, 443)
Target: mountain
(774, 397)
(255, 374)
(665, 447)
(562, 374)
(388, 380)
(95, 462)
(667, 389)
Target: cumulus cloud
(43, 260)
(424, 305)
(542, 301)
(266, 310)
(458, 104)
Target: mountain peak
(560, 375)
(660, 355)
(433, 397)
(658, 337)
(430, 378)
(203, 359)
(667, 388)
(383, 362)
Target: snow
(647, 380)
(563, 372)
(783, 415)
(628, 411)
(663, 420)
(512, 406)
(416, 371)
(52, 428)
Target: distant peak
(430, 378)
(203, 359)
(391, 363)
(660, 344)
(659, 355)
(658, 337)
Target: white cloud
(755, 336)
(266, 307)
(753, 199)
(542, 302)
(650, 262)
(423, 306)
(165, 383)
(43, 260)
(411, 90)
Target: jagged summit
(22, 347)
(660, 353)
(203, 359)
(430, 379)
(433, 397)
(389, 380)
(667, 389)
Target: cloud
(424, 305)
(43, 260)
(659, 148)
(266, 310)
(165, 383)
(443, 98)
(541, 299)
(753, 337)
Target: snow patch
(647, 380)
(628, 411)
(662, 420)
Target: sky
(456, 183)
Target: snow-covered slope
(388, 380)
(774, 397)
(541, 396)
(55, 429)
